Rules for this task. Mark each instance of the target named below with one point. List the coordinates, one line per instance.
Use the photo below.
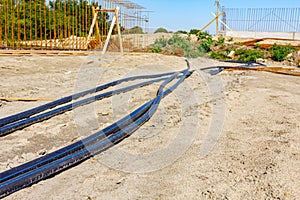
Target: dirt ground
(230, 136)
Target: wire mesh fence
(134, 20)
(63, 24)
(262, 19)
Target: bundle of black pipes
(41, 168)
(53, 163)
(217, 69)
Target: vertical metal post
(50, 29)
(54, 21)
(19, 24)
(65, 20)
(5, 22)
(73, 26)
(12, 24)
(24, 28)
(86, 22)
(41, 25)
(1, 24)
(217, 18)
(45, 23)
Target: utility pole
(217, 2)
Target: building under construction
(68, 24)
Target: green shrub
(218, 55)
(230, 39)
(203, 35)
(249, 55)
(279, 53)
(158, 45)
(229, 49)
(181, 32)
(190, 49)
(155, 49)
(177, 45)
(134, 30)
(223, 47)
(238, 43)
(206, 44)
(205, 41)
(194, 31)
(161, 30)
(221, 40)
(162, 42)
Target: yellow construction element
(115, 21)
(209, 23)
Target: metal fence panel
(263, 19)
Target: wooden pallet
(43, 52)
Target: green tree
(134, 30)
(181, 32)
(194, 31)
(161, 30)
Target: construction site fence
(262, 19)
(63, 24)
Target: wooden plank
(25, 99)
(213, 14)
(109, 34)
(39, 52)
(276, 70)
(209, 23)
(104, 10)
(119, 29)
(92, 27)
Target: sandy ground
(230, 136)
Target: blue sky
(194, 14)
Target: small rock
(42, 152)
(260, 60)
(231, 54)
(104, 113)
(120, 181)
(89, 62)
(289, 55)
